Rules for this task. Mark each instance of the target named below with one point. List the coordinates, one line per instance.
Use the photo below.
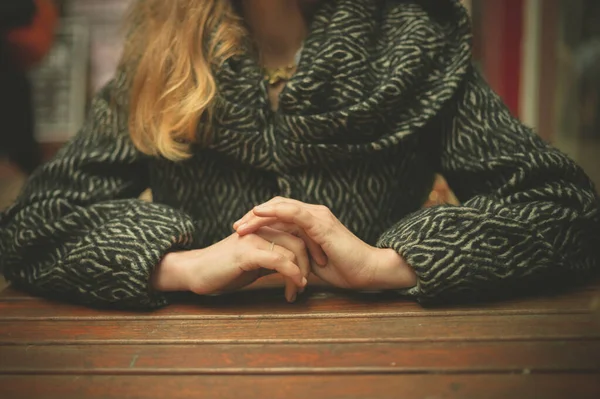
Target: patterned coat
(384, 97)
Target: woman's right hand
(236, 262)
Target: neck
(278, 28)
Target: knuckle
(251, 240)
(279, 258)
(246, 245)
(329, 227)
(297, 272)
(323, 209)
(238, 258)
(299, 244)
(331, 218)
(288, 255)
(293, 258)
(332, 222)
(239, 255)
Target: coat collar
(371, 74)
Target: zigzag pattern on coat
(384, 97)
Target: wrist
(169, 275)
(390, 271)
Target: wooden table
(328, 345)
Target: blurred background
(541, 56)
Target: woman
(343, 111)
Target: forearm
(101, 254)
(169, 274)
(390, 271)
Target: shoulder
(109, 108)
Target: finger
(274, 261)
(265, 272)
(291, 241)
(291, 290)
(246, 228)
(289, 213)
(244, 220)
(301, 255)
(250, 224)
(281, 200)
(254, 223)
(276, 200)
(241, 220)
(292, 247)
(257, 221)
(314, 249)
(249, 215)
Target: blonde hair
(170, 49)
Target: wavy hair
(170, 50)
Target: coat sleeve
(529, 215)
(78, 231)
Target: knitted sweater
(384, 97)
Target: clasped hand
(337, 256)
(293, 239)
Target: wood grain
(269, 303)
(583, 386)
(378, 329)
(330, 343)
(389, 358)
(311, 307)
(270, 282)
(274, 284)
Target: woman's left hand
(343, 260)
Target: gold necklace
(275, 76)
